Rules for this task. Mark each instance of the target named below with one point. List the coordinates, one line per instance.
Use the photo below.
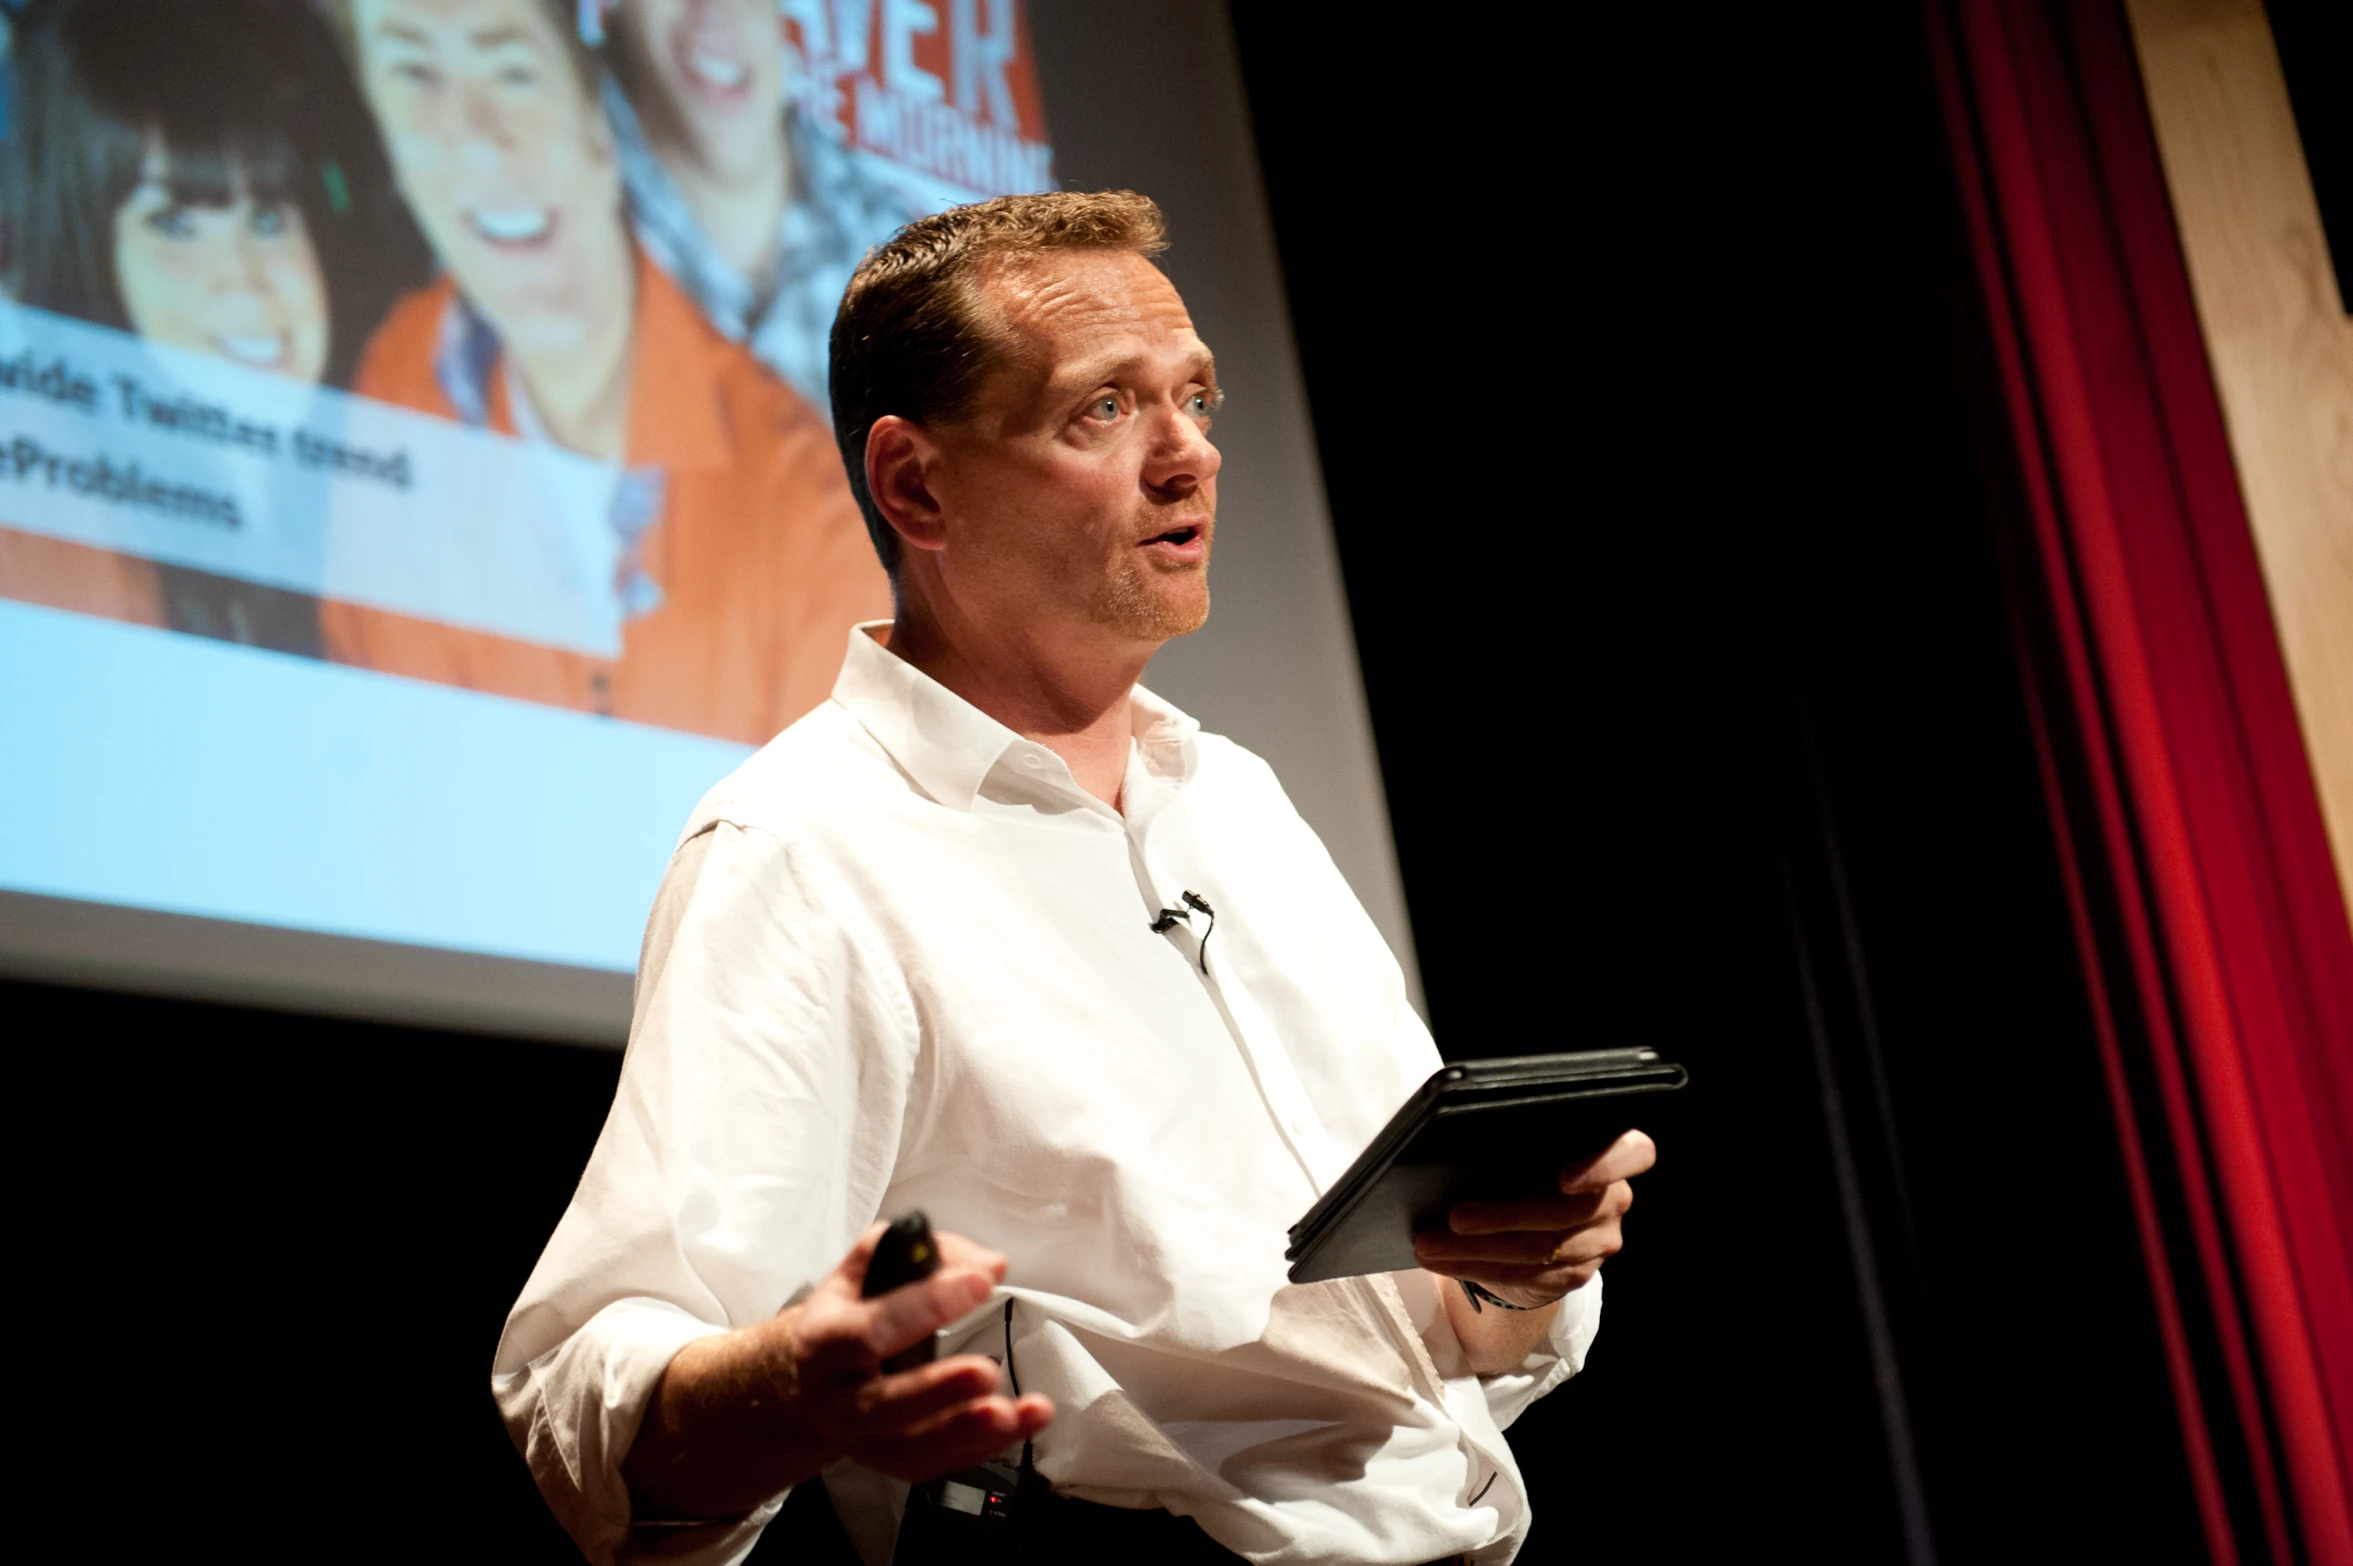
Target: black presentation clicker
(905, 1254)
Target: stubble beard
(1135, 602)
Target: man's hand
(1533, 1252)
(740, 1416)
(920, 1423)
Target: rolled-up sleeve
(750, 1140)
(1558, 1355)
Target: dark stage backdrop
(1644, 416)
(1643, 393)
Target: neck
(581, 394)
(738, 210)
(1071, 699)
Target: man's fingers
(998, 1421)
(957, 1251)
(1519, 1247)
(1623, 1159)
(1543, 1282)
(1462, 1255)
(1542, 1212)
(907, 1314)
(971, 1433)
(1561, 1267)
(905, 1402)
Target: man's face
(507, 165)
(709, 78)
(1081, 490)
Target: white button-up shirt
(902, 960)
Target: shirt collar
(949, 746)
(1164, 736)
(465, 362)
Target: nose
(1182, 459)
(482, 131)
(241, 270)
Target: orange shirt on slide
(760, 554)
(37, 569)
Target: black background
(1641, 383)
(1676, 590)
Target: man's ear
(899, 460)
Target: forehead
(163, 172)
(650, 15)
(1067, 308)
(480, 24)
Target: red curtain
(2212, 931)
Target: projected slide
(416, 484)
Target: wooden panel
(2281, 346)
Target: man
(948, 944)
(741, 560)
(760, 220)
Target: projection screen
(416, 484)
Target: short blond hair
(910, 338)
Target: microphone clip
(1194, 902)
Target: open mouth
(266, 353)
(716, 72)
(1186, 542)
(512, 227)
(714, 65)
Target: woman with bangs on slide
(742, 561)
(186, 170)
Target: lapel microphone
(1168, 918)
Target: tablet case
(1483, 1128)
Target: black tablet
(1479, 1128)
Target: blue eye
(171, 222)
(269, 222)
(1107, 408)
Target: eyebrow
(1204, 368)
(490, 37)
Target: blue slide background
(164, 771)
